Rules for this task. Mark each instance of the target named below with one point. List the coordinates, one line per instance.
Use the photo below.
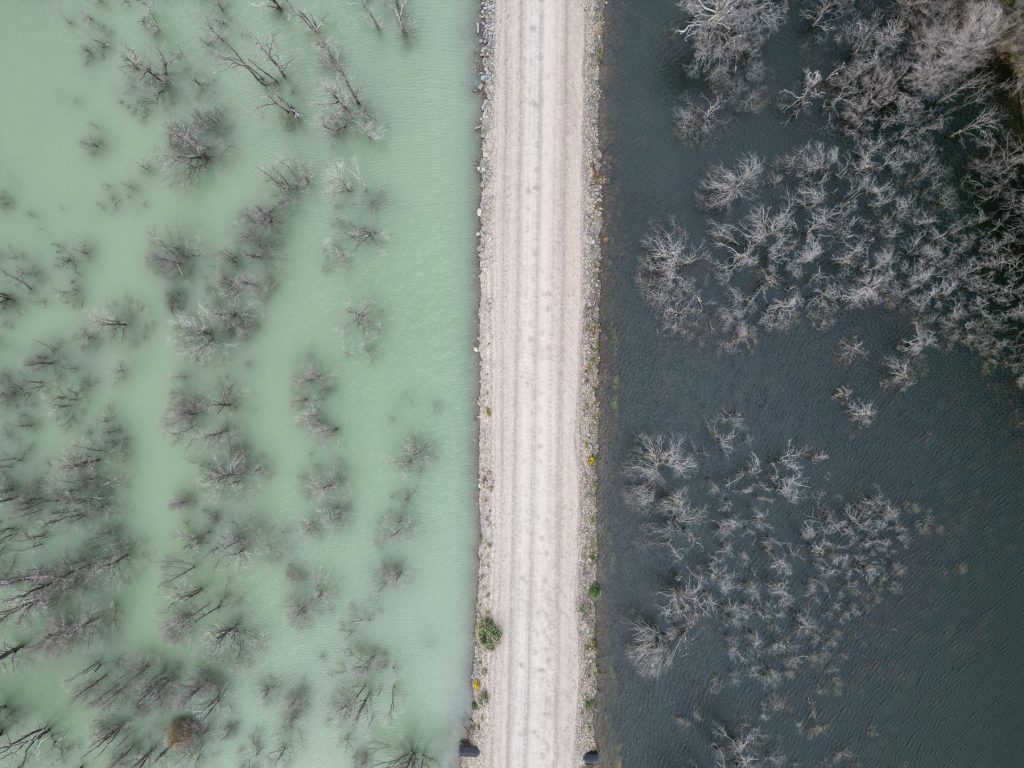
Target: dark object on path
(591, 758)
(468, 750)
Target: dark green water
(930, 677)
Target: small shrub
(488, 632)
(481, 699)
(594, 591)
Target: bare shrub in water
(213, 328)
(651, 650)
(658, 459)
(342, 108)
(172, 254)
(723, 186)
(406, 756)
(913, 205)
(778, 595)
(42, 589)
(121, 320)
(23, 741)
(726, 39)
(288, 176)
(310, 389)
(850, 349)
(192, 146)
(697, 119)
(150, 78)
(232, 467)
(861, 412)
(228, 54)
(743, 747)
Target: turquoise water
(300, 532)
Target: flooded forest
(237, 382)
(813, 384)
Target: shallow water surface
(298, 586)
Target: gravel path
(536, 249)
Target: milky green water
(318, 582)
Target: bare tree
(203, 693)
(341, 110)
(190, 605)
(368, 322)
(726, 37)
(233, 467)
(230, 57)
(184, 413)
(947, 47)
(98, 40)
(311, 22)
(850, 349)
(192, 146)
(213, 328)
(722, 186)
(233, 638)
(150, 78)
(316, 423)
(149, 21)
(355, 704)
(398, 7)
(172, 254)
(278, 101)
(121, 319)
(794, 104)
(37, 589)
(406, 755)
(389, 574)
(296, 703)
(374, 20)
(68, 632)
(19, 749)
(108, 732)
(288, 177)
(343, 107)
(659, 458)
(93, 143)
(861, 412)
(9, 651)
(417, 454)
(268, 47)
(697, 119)
(899, 373)
(825, 16)
(651, 650)
(744, 747)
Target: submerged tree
(726, 38)
(914, 205)
(310, 390)
(192, 146)
(408, 754)
(172, 254)
(651, 650)
(21, 746)
(150, 78)
(777, 595)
